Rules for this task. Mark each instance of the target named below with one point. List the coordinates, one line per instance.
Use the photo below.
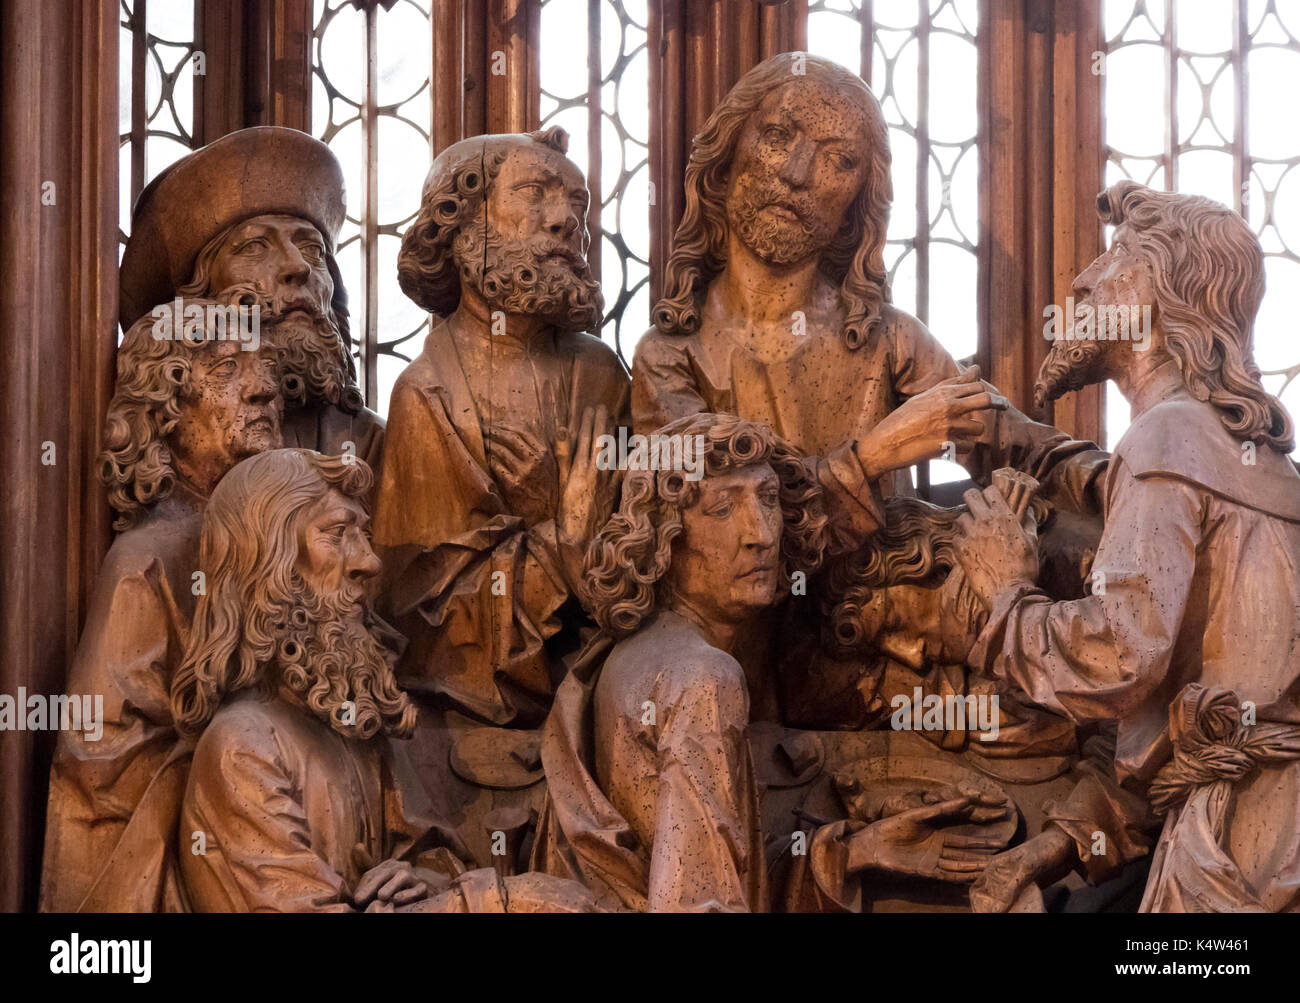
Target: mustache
(277, 305)
(770, 192)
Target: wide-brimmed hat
(266, 170)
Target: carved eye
(843, 161)
(312, 251)
(226, 367)
(776, 134)
(254, 245)
(532, 189)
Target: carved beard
(313, 366)
(313, 359)
(777, 240)
(519, 277)
(1070, 365)
(328, 656)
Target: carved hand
(922, 427)
(394, 882)
(916, 842)
(1008, 874)
(588, 497)
(524, 466)
(996, 549)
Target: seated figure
(653, 799)
(299, 799)
(185, 410)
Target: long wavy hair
(248, 550)
(200, 284)
(1208, 271)
(453, 197)
(855, 258)
(153, 377)
(914, 546)
(632, 553)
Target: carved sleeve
(258, 849)
(1102, 656)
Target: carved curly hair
(350, 397)
(915, 546)
(248, 549)
(453, 196)
(153, 374)
(632, 553)
(855, 258)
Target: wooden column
(1079, 165)
(1040, 170)
(486, 75)
(258, 62)
(58, 294)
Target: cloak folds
(477, 592)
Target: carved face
(334, 554)
(727, 561)
(531, 260)
(800, 161)
(538, 193)
(1118, 278)
(231, 407)
(283, 258)
(914, 623)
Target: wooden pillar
(258, 66)
(58, 294)
(1040, 170)
(486, 73)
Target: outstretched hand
(920, 842)
(949, 414)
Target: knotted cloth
(1192, 870)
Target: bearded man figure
(776, 308)
(490, 491)
(300, 798)
(652, 798)
(259, 211)
(1189, 639)
(184, 411)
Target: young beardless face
(230, 410)
(920, 625)
(726, 565)
(801, 159)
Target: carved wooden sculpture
(300, 798)
(1190, 637)
(653, 800)
(776, 308)
(260, 209)
(183, 413)
(481, 523)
